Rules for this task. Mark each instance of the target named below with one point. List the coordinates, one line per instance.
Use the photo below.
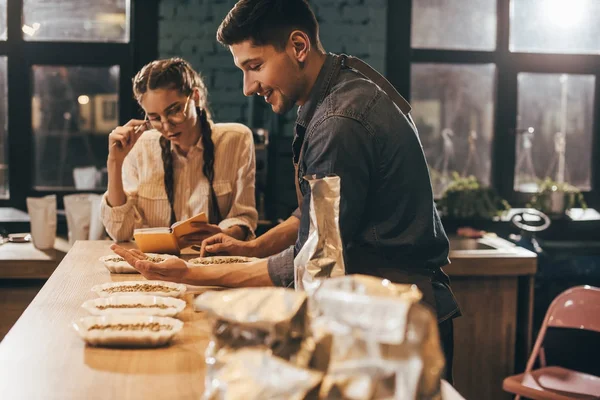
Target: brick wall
(187, 29)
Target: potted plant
(465, 197)
(556, 198)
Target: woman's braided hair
(176, 73)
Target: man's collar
(319, 90)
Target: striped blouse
(143, 181)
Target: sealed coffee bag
(273, 320)
(252, 374)
(362, 321)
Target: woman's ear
(300, 45)
(196, 97)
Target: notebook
(165, 239)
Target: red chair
(576, 308)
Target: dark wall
(187, 29)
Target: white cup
(85, 178)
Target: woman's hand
(172, 269)
(122, 139)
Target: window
(72, 111)
(503, 90)
(454, 24)
(555, 26)
(76, 20)
(454, 111)
(65, 76)
(2, 19)
(4, 190)
(555, 111)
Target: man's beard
(285, 104)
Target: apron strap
(371, 73)
(374, 76)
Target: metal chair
(575, 308)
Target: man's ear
(300, 45)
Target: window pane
(76, 20)
(4, 194)
(453, 107)
(555, 26)
(559, 109)
(454, 24)
(2, 19)
(73, 110)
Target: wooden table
(23, 271)
(42, 357)
(494, 289)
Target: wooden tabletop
(24, 261)
(10, 214)
(505, 259)
(42, 357)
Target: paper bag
(78, 210)
(322, 254)
(42, 216)
(96, 227)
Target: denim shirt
(351, 128)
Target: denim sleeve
(341, 146)
(297, 212)
(281, 267)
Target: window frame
(22, 55)
(400, 56)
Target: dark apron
(365, 260)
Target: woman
(176, 162)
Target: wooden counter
(492, 338)
(23, 271)
(42, 357)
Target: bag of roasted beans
(252, 374)
(360, 379)
(272, 317)
(381, 343)
(269, 319)
(322, 255)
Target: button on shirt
(143, 180)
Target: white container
(117, 264)
(150, 305)
(169, 327)
(136, 287)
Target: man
(347, 126)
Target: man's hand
(204, 232)
(172, 269)
(222, 244)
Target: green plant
(554, 197)
(467, 198)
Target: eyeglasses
(174, 118)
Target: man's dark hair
(265, 22)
